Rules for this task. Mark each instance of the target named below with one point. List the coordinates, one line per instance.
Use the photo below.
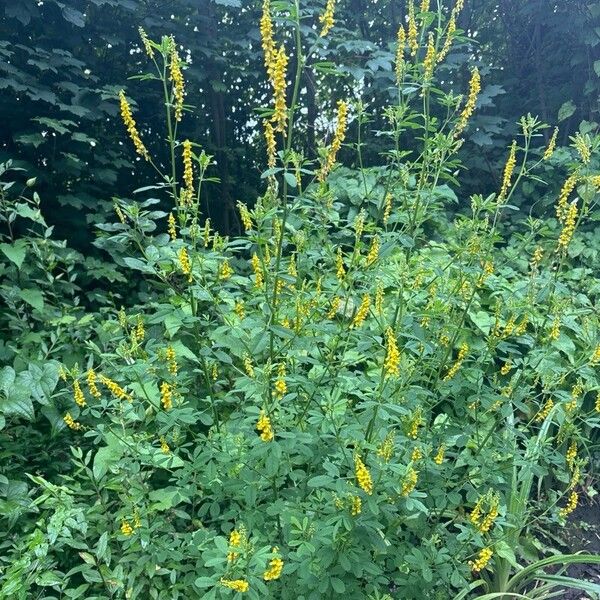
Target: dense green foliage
(384, 383)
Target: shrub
(361, 396)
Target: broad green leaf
(15, 252)
(33, 297)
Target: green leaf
(15, 252)
(566, 110)
(18, 403)
(7, 379)
(33, 297)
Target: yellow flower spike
(476, 513)
(327, 18)
(237, 585)
(595, 359)
(275, 568)
(235, 540)
(429, 61)
(363, 477)
(453, 370)
(335, 306)
(266, 34)
(373, 251)
(248, 367)
(146, 42)
(176, 76)
(400, 64)
(225, 271)
(563, 198)
(280, 387)
(508, 171)
(362, 313)
(137, 522)
(571, 455)
(164, 447)
(258, 272)
(506, 368)
(91, 379)
(391, 365)
(171, 227)
(339, 265)
(387, 208)
(469, 108)
(71, 423)
(488, 521)
(424, 6)
(130, 124)
(356, 506)
(379, 297)
(279, 89)
(570, 222)
(450, 31)
(582, 144)
(386, 450)
(545, 411)
(413, 42)
(555, 329)
(265, 428)
(78, 396)
(438, 459)
(271, 144)
(171, 361)
(245, 216)
(409, 482)
(140, 331)
(338, 138)
(483, 558)
(551, 146)
(597, 403)
(413, 424)
(126, 528)
(188, 173)
(185, 263)
(570, 506)
(115, 389)
(166, 395)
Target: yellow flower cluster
(166, 395)
(275, 568)
(271, 144)
(235, 539)
(595, 356)
(363, 477)
(450, 31)
(225, 270)
(258, 272)
(438, 459)
(373, 254)
(379, 297)
(506, 368)
(391, 365)
(483, 558)
(78, 394)
(482, 522)
(115, 389)
(453, 370)
(416, 455)
(413, 424)
(237, 585)
(71, 423)
(279, 69)
(386, 450)
(266, 34)
(239, 309)
(326, 19)
(568, 230)
(387, 208)
(545, 411)
(184, 263)
(563, 198)
(334, 307)
(126, 528)
(280, 384)
(340, 271)
(91, 383)
(555, 329)
(400, 56)
(571, 455)
(413, 42)
(177, 80)
(188, 174)
(430, 59)
(245, 216)
(129, 122)
(362, 312)
(264, 426)
(171, 360)
(571, 504)
(356, 506)
(582, 144)
(410, 481)
(248, 367)
(551, 146)
(147, 46)
(140, 332)
(469, 108)
(164, 447)
(338, 138)
(508, 171)
(171, 227)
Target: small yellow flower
(280, 384)
(483, 558)
(166, 396)
(453, 370)
(264, 426)
(245, 216)
(400, 64)
(237, 585)
(225, 270)
(171, 227)
(326, 19)
(140, 331)
(563, 198)
(339, 265)
(506, 368)
(570, 223)
(386, 450)
(91, 383)
(235, 540)
(239, 309)
(258, 272)
(582, 144)
(335, 305)
(571, 455)
(266, 34)
(356, 506)
(545, 411)
(387, 208)
(450, 31)
(129, 122)
(413, 42)
(413, 424)
(595, 356)
(248, 366)
(363, 477)
(555, 330)
(275, 568)
(177, 80)
(164, 447)
(438, 459)
(188, 173)
(279, 89)
(416, 455)
(271, 144)
(429, 61)
(147, 46)
(78, 394)
(171, 360)
(126, 528)
(373, 251)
